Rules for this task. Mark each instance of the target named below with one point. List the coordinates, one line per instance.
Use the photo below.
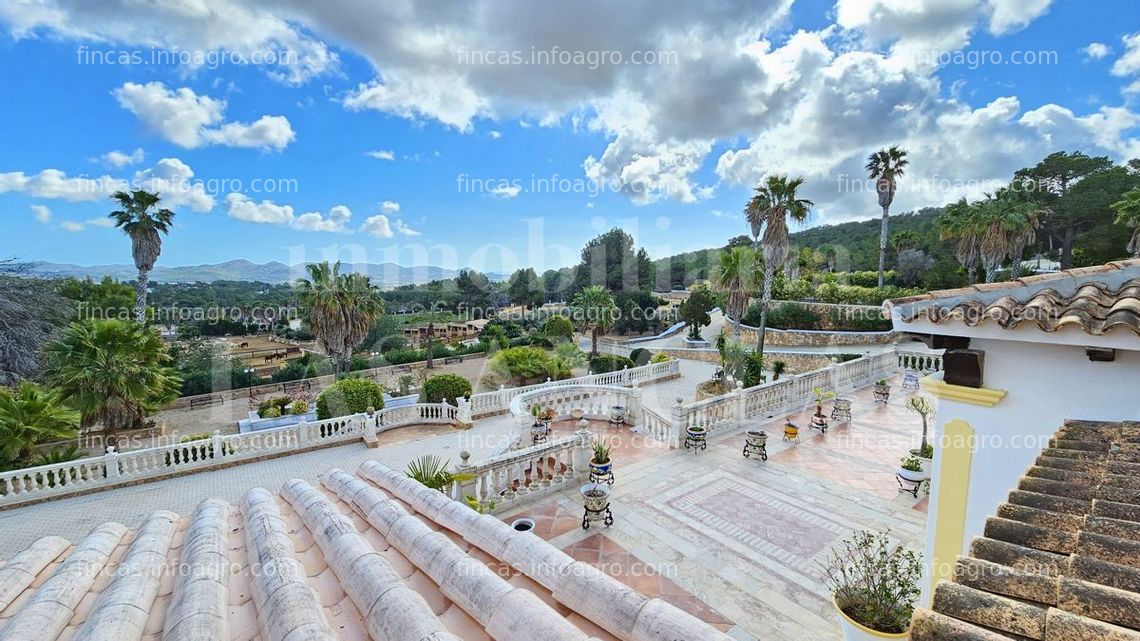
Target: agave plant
(601, 451)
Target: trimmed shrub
(660, 357)
(349, 396)
(271, 412)
(558, 327)
(859, 320)
(640, 356)
(792, 316)
(608, 363)
(276, 402)
(445, 388)
(403, 356)
(522, 365)
(299, 407)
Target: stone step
(1043, 518)
(989, 610)
(1071, 464)
(1031, 536)
(1127, 457)
(1065, 626)
(1069, 443)
(1057, 488)
(1018, 556)
(1080, 455)
(1119, 494)
(1128, 530)
(1107, 573)
(1004, 580)
(1065, 476)
(1109, 548)
(1040, 501)
(1123, 467)
(1114, 510)
(927, 625)
(1099, 602)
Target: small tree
(349, 396)
(924, 407)
(694, 311)
(445, 388)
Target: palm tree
(594, 307)
(1128, 213)
(113, 372)
(770, 208)
(138, 220)
(1030, 213)
(960, 223)
(342, 308)
(30, 415)
(903, 240)
(885, 166)
(735, 276)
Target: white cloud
(1097, 50)
(199, 30)
(118, 159)
(1007, 16)
(101, 222)
(505, 191)
(267, 212)
(381, 154)
(191, 121)
(389, 207)
(495, 134)
(174, 181)
(42, 213)
(55, 184)
(72, 226)
(403, 229)
(378, 226)
(1129, 62)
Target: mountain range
(383, 274)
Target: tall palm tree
(139, 220)
(30, 415)
(903, 240)
(735, 277)
(1128, 213)
(594, 307)
(885, 166)
(960, 223)
(342, 308)
(113, 372)
(1029, 215)
(769, 209)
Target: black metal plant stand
(909, 486)
(607, 478)
(696, 441)
(606, 517)
(750, 449)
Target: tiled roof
(374, 556)
(1096, 299)
(1061, 560)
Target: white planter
(925, 463)
(911, 475)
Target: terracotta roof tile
(1095, 299)
(1061, 560)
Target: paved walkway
(743, 538)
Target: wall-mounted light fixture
(1100, 354)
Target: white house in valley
(1054, 421)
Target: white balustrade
(920, 361)
(506, 479)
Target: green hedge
(445, 388)
(792, 316)
(349, 396)
(603, 364)
(558, 327)
(640, 356)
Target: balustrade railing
(920, 361)
(503, 481)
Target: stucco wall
(1046, 384)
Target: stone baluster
(463, 416)
(218, 445)
(739, 405)
(111, 460)
(467, 486)
(677, 416)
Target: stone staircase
(1061, 559)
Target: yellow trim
(983, 396)
(862, 628)
(954, 459)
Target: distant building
(451, 332)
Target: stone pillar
(584, 451)
(625, 375)
(302, 434)
(218, 445)
(633, 411)
(677, 421)
(504, 404)
(833, 370)
(738, 404)
(111, 461)
(467, 486)
(463, 415)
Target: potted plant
(600, 463)
(791, 430)
(882, 391)
(819, 419)
(910, 468)
(924, 407)
(596, 500)
(874, 586)
(696, 432)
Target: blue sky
(753, 88)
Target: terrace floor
(738, 541)
(735, 541)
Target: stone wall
(815, 338)
(797, 362)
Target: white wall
(1046, 384)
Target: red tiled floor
(613, 559)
